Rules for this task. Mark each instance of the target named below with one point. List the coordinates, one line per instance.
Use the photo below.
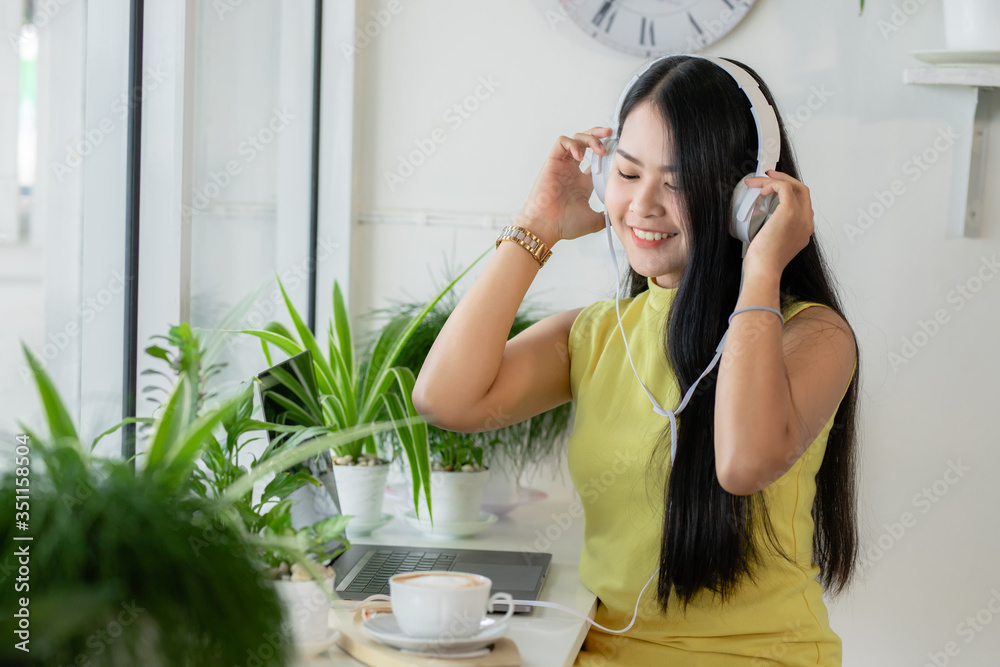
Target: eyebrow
(631, 158)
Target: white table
(546, 637)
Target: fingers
(775, 181)
(578, 144)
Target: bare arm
(777, 386)
(474, 379)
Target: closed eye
(632, 177)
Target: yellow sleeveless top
(779, 619)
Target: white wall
(935, 409)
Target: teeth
(651, 236)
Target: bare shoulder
(815, 319)
(819, 332)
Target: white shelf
(980, 76)
(970, 177)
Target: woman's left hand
(788, 229)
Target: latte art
(439, 581)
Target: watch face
(656, 27)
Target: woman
(766, 445)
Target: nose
(645, 200)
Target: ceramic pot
(971, 25)
(361, 490)
(455, 496)
(307, 608)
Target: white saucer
(453, 529)
(384, 629)
(357, 528)
(524, 497)
(310, 649)
(945, 57)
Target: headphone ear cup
(600, 167)
(749, 211)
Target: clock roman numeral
(728, 4)
(605, 12)
(643, 32)
(695, 24)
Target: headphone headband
(765, 120)
(749, 208)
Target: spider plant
(528, 443)
(350, 391)
(136, 567)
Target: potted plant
(291, 552)
(151, 567)
(184, 353)
(121, 571)
(506, 452)
(350, 392)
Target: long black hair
(708, 534)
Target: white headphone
(749, 209)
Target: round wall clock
(656, 27)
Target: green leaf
(172, 422)
(60, 425)
(342, 322)
(285, 483)
(413, 437)
(286, 345)
(287, 458)
(399, 342)
(158, 353)
(324, 376)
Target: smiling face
(644, 201)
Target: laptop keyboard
(374, 576)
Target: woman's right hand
(558, 206)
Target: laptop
(365, 569)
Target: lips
(645, 238)
(652, 236)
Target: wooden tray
(354, 641)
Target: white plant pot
(502, 487)
(971, 25)
(361, 490)
(455, 496)
(307, 609)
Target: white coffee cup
(443, 605)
